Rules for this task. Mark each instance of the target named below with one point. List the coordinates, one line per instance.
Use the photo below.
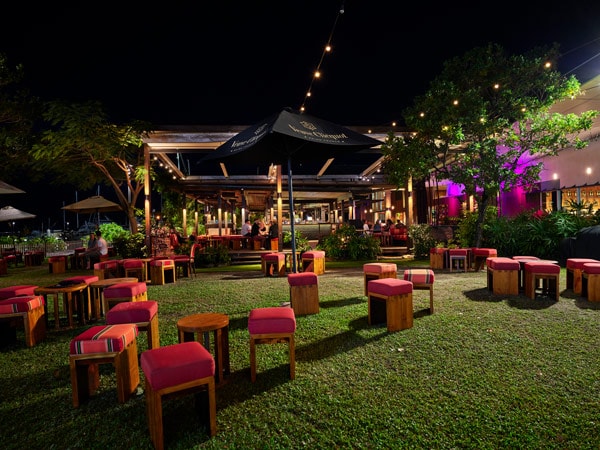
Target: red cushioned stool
(274, 264)
(26, 311)
(314, 261)
(133, 267)
(437, 257)
(390, 302)
(17, 291)
(172, 371)
(104, 344)
(574, 271)
(480, 255)
(377, 271)
(304, 292)
(503, 276)
(272, 326)
(57, 264)
(106, 269)
(546, 272)
(162, 271)
(421, 279)
(590, 281)
(458, 255)
(143, 314)
(124, 292)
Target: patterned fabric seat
(28, 309)
(422, 279)
(104, 344)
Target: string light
(327, 49)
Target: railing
(46, 247)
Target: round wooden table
(202, 324)
(97, 288)
(68, 292)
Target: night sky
(228, 62)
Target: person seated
(95, 253)
(273, 234)
(377, 227)
(258, 232)
(247, 228)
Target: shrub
(422, 239)
(346, 243)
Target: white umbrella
(8, 214)
(6, 188)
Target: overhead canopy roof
(181, 150)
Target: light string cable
(586, 61)
(326, 49)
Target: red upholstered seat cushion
(457, 252)
(21, 304)
(111, 264)
(17, 291)
(379, 267)
(477, 251)
(591, 268)
(390, 286)
(437, 250)
(501, 263)
(162, 262)
(103, 339)
(302, 278)
(56, 259)
(419, 276)
(125, 290)
(541, 267)
(313, 254)
(577, 263)
(87, 279)
(133, 264)
(275, 257)
(132, 312)
(176, 364)
(276, 319)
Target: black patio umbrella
(289, 135)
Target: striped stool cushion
(302, 278)
(272, 320)
(176, 364)
(132, 312)
(485, 252)
(419, 276)
(121, 290)
(379, 267)
(390, 287)
(591, 268)
(103, 265)
(17, 291)
(457, 252)
(21, 304)
(104, 339)
(162, 262)
(541, 267)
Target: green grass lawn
(483, 372)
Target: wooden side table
(202, 324)
(69, 294)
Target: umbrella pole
(292, 221)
